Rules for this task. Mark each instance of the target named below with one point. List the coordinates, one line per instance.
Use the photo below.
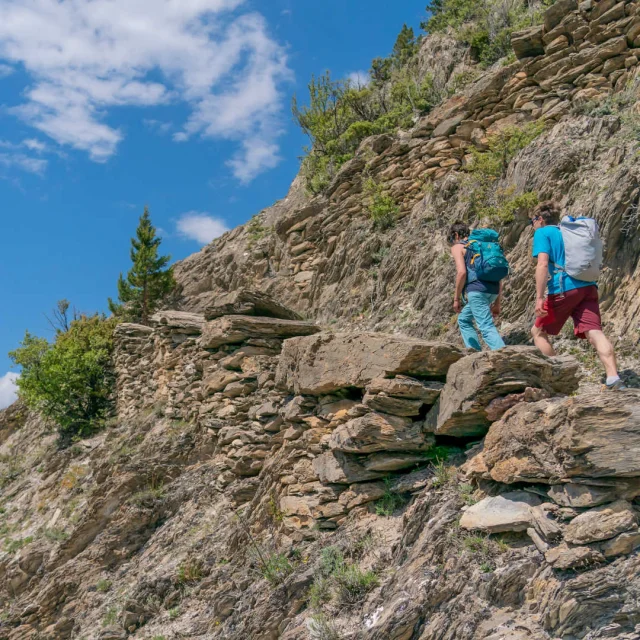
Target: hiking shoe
(618, 385)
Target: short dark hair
(549, 211)
(461, 229)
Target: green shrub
(500, 205)
(484, 25)
(11, 546)
(382, 208)
(102, 586)
(190, 571)
(443, 474)
(70, 381)
(276, 567)
(55, 535)
(320, 592)
(390, 501)
(339, 579)
(149, 496)
(503, 148)
(110, 617)
(440, 453)
(483, 548)
(331, 559)
(507, 206)
(256, 230)
(322, 628)
(465, 491)
(341, 114)
(12, 466)
(353, 583)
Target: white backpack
(582, 248)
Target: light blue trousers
(478, 308)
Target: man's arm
(457, 251)
(542, 276)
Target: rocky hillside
(301, 449)
(577, 73)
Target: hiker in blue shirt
(482, 297)
(567, 297)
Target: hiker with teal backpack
(569, 259)
(480, 268)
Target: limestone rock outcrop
(329, 362)
(263, 479)
(236, 329)
(475, 381)
(594, 436)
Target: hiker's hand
(456, 306)
(495, 309)
(540, 310)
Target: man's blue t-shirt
(549, 240)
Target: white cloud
(23, 161)
(5, 70)
(8, 389)
(35, 145)
(201, 227)
(157, 125)
(359, 78)
(255, 156)
(86, 57)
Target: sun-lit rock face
(301, 449)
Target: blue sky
(183, 105)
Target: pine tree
(148, 281)
(406, 46)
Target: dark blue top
(482, 286)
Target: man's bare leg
(541, 340)
(604, 348)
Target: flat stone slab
(380, 432)
(407, 387)
(564, 557)
(247, 303)
(476, 380)
(588, 437)
(359, 494)
(394, 406)
(336, 467)
(581, 495)
(236, 329)
(392, 461)
(326, 363)
(179, 321)
(601, 523)
(621, 545)
(507, 512)
(132, 330)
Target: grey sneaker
(618, 385)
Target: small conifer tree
(148, 280)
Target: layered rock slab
(507, 512)
(476, 380)
(236, 329)
(375, 432)
(179, 321)
(589, 436)
(601, 523)
(246, 302)
(326, 363)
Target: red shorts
(581, 304)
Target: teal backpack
(487, 261)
